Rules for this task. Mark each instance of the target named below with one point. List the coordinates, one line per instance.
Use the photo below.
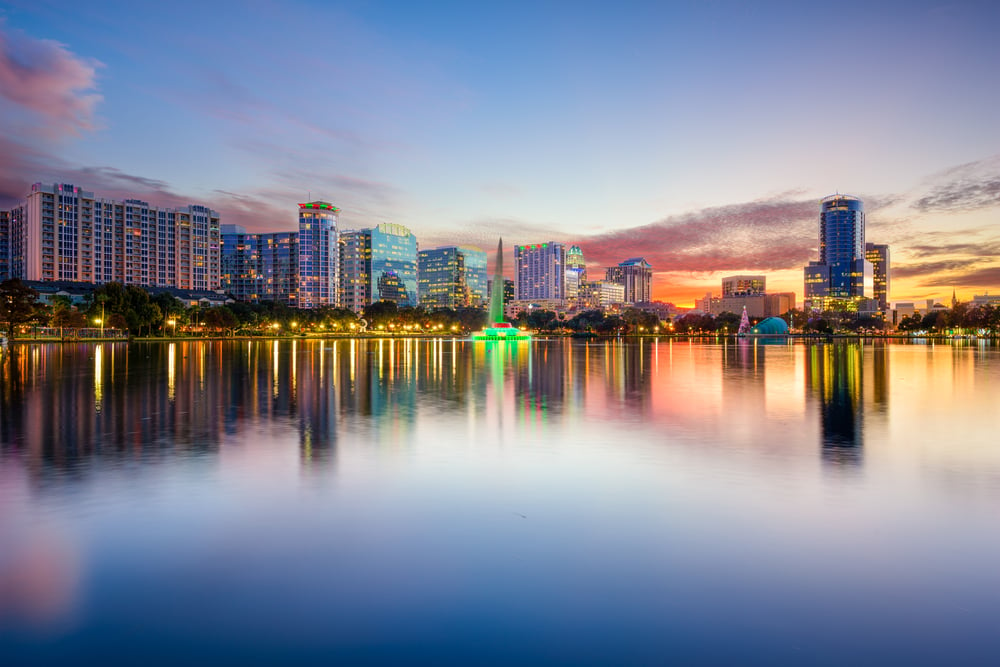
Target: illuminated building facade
(878, 255)
(355, 269)
(601, 294)
(11, 243)
(540, 272)
(260, 267)
(394, 264)
(576, 272)
(842, 273)
(451, 276)
(66, 233)
(319, 255)
(378, 264)
(744, 286)
(636, 276)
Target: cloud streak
(988, 277)
(967, 187)
(44, 78)
(753, 236)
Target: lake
(390, 501)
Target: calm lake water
(450, 502)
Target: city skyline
(700, 138)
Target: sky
(699, 135)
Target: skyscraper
(260, 267)
(11, 237)
(540, 271)
(319, 255)
(451, 276)
(66, 233)
(394, 264)
(576, 272)
(355, 269)
(842, 272)
(878, 255)
(378, 264)
(636, 276)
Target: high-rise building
(378, 264)
(394, 264)
(576, 272)
(540, 271)
(66, 233)
(319, 255)
(601, 294)
(842, 272)
(11, 243)
(260, 267)
(355, 269)
(744, 286)
(636, 275)
(451, 276)
(878, 255)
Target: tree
(68, 318)
(910, 323)
(540, 319)
(381, 313)
(728, 321)
(640, 320)
(18, 305)
(587, 321)
(219, 318)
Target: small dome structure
(772, 326)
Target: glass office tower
(842, 271)
(451, 276)
(393, 264)
(878, 255)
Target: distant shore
(27, 340)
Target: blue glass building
(393, 275)
(842, 272)
(451, 276)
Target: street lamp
(100, 321)
(173, 326)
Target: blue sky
(700, 135)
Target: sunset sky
(699, 135)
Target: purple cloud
(753, 236)
(45, 78)
(966, 187)
(988, 277)
(973, 250)
(928, 268)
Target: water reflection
(62, 403)
(834, 377)
(529, 501)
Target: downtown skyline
(700, 138)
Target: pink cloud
(45, 78)
(754, 236)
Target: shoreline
(537, 336)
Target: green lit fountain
(497, 328)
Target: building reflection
(64, 403)
(834, 376)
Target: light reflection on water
(438, 500)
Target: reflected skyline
(192, 396)
(453, 500)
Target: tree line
(961, 318)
